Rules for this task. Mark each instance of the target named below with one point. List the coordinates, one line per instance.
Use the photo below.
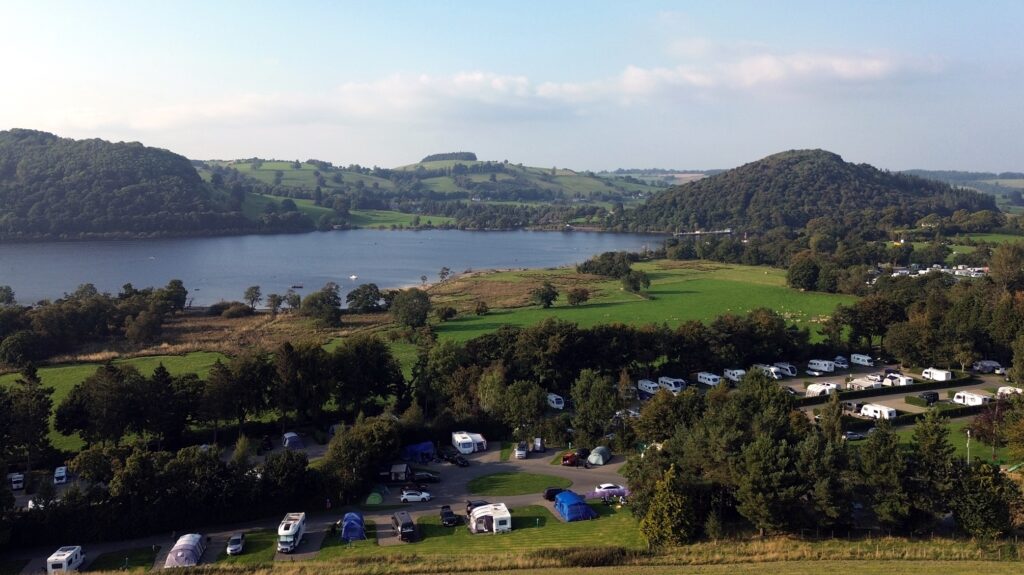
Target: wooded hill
(53, 187)
(790, 189)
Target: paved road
(450, 491)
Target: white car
(60, 476)
(814, 373)
(411, 495)
(609, 489)
(521, 450)
(875, 377)
(841, 362)
(236, 544)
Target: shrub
(915, 400)
(237, 309)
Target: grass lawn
(139, 559)
(994, 238)
(12, 566)
(386, 218)
(64, 377)
(499, 484)
(260, 548)
(506, 451)
(959, 440)
(334, 547)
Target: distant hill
(789, 189)
(465, 156)
(53, 187)
(1005, 186)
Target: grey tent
(599, 456)
(186, 552)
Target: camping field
(500, 484)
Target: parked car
(841, 362)
(236, 544)
(60, 476)
(551, 492)
(930, 397)
(473, 504)
(415, 487)
(411, 495)
(426, 477)
(521, 450)
(852, 436)
(892, 371)
(814, 372)
(460, 460)
(569, 459)
(875, 377)
(609, 490)
(448, 518)
(627, 413)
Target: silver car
(236, 544)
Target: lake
(220, 268)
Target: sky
(578, 84)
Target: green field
(1006, 183)
(501, 484)
(63, 377)
(255, 204)
(811, 567)
(958, 438)
(334, 548)
(691, 291)
(260, 548)
(385, 218)
(139, 559)
(305, 177)
(994, 238)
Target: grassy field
(335, 548)
(260, 548)
(139, 559)
(679, 291)
(994, 238)
(812, 567)
(378, 218)
(958, 438)
(500, 484)
(64, 377)
(1006, 183)
(255, 204)
(506, 451)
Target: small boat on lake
(297, 286)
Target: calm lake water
(219, 268)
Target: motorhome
(787, 368)
(897, 380)
(1008, 391)
(673, 384)
(821, 365)
(876, 411)
(936, 374)
(708, 378)
(734, 375)
(66, 559)
(769, 370)
(16, 481)
(290, 532)
(986, 366)
(819, 389)
(861, 359)
(467, 442)
(968, 398)
(555, 401)
(647, 388)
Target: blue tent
(352, 527)
(573, 507)
(420, 452)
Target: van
(708, 378)
(16, 481)
(861, 359)
(821, 365)
(673, 384)
(647, 388)
(734, 375)
(929, 397)
(936, 374)
(876, 411)
(787, 368)
(968, 398)
(66, 559)
(60, 475)
(290, 532)
(404, 526)
(555, 401)
(771, 371)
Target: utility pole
(968, 446)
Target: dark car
(929, 397)
(551, 492)
(415, 487)
(448, 518)
(460, 461)
(449, 453)
(473, 504)
(426, 477)
(582, 453)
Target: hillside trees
(544, 295)
(410, 307)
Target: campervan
(673, 384)
(818, 389)
(936, 374)
(708, 378)
(986, 366)
(16, 481)
(467, 442)
(897, 380)
(290, 532)
(734, 375)
(647, 388)
(404, 526)
(65, 559)
(555, 401)
(968, 398)
(787, 368)
(876, 411)
(769, 370)
(821, 365)
(861, 359)
(1008, 391)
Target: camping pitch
(572, 507)
(352, 528)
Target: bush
(915, 400)
(236, 310)
(219, 307)
(445, 313)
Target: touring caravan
(16, 481)
(861, 359)
(936, 374)
(65, 559)
(787, 368)
(818, 389)
(673, 384)
(708, 378)
(897, 380)
(290, 532)
(968, 398)
(734, 375)
(876, 411)
(821, 365)
(467, 442)
(646, 388)
(555, 401)
(491, 518)
(771, 371)
(1007, 391)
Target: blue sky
(586, 85)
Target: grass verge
(334, 547)
(138, 559)
(512, 483)
(260, 548)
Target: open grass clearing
(993, 238)
(506, 451)
(513, 483)
(138, 559)
(958, 438)
(260, 548)
(810, 567)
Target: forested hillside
(53, 187)
(789, 189)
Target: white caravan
(821, 365)
(818, 389)
(861, 359)
(467, 442)
(555, 401)
(876, 411)
(1007, 391)
(65, 559)
(16, 481)
(968, 398)
(647, 388)
(769, 370)
(673, 384)
(708, 378)
(787, 368)
(936, 374)
(897, 380)
(290, 532)
(734, 375)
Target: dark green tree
(274, 303)
(364, 299)
(324, 305)
(931, 470)
(669, 517)
(984, 501)
(253, 295)
(635, 281)
(545, 295)
(769, 486)
(883, 472)
(29, 421)
(410, 307)
(577, 296)
(595, 400)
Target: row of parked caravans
(647, 388)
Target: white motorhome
(16, 481)
(673, 384)
(769, 370)
(787, 368)
(861, 359)
(290, 532)
(968, 398)
(1008, 391)
(986, 366)
(818, 389)
(734, 375)
(467, 442)
(555, 401)
(897, 380)
(876, 411)
(647, 388)
(708, 378)
(936, 374)
(66, 559)
(821, 365)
